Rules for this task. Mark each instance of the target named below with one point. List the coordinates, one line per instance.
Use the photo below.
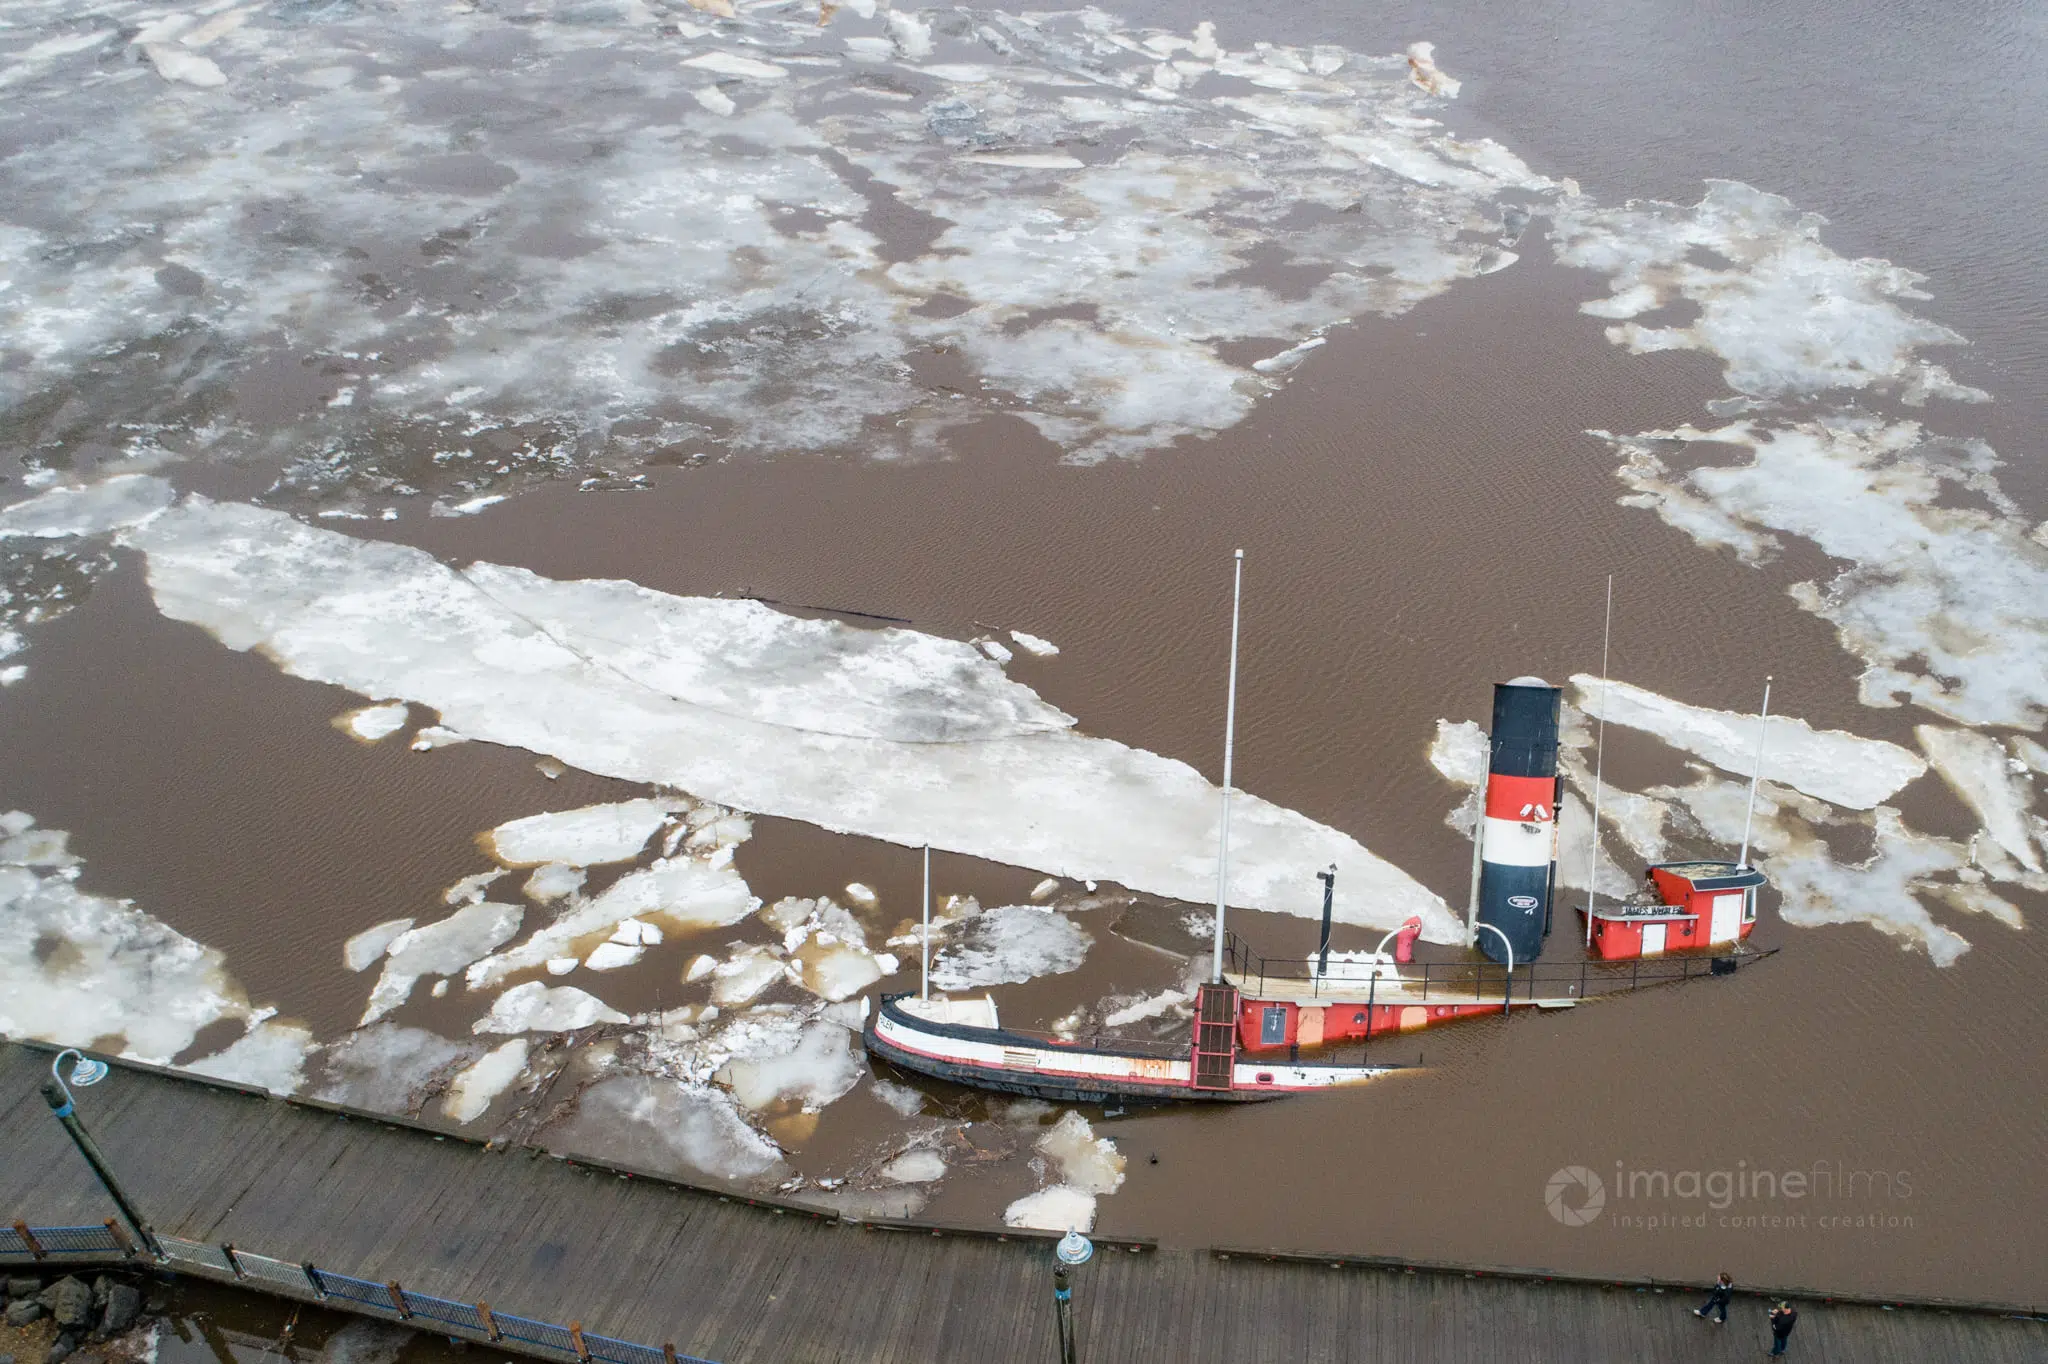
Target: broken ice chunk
(534, 1007)
(365, 947)
(484, 1080)
(372, 723)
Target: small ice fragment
(13, 674)
(585, 837)
(906, 1101)
(553, 881)
(1032, 644)
(468, 508)
(189, 68)
(913, 34)
(471, 888)
(611, 956)
(547, 767)
(920, 1166)
(436, 736)
(995, 650)
(714, 100)
(634, 933)
(700, 966)
(732, 64)
(1058, 1208)
(1149, 1007)
(562, 966)
(440, 990)
(721, 8)
(1090, 885)
(860, 894)
(1287, 359)
(1422, 69)
(440, 949)
(747, 974)
(534, 1007)
(372, 723)
(1045, 889)
(484, 1080)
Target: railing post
(668, 1351)
(313, 1277)
(398, 1300)
(483, 1310)
(227, 1248)
(120, 1237)
(576, 1335)
(35, 1247)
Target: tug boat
(1257, 1015)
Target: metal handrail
(1487, 981)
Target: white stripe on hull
(1512, 843)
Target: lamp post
(1329, 880)
(87, 1071)
(1071, 1249)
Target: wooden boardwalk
(643, 1261)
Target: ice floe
(1977, 770)
(515, 659)
(534, 1007)
(553, 881)
(361, 951)
(586, 837)
(387, 1068)
(920, 1165)
(1842, 769)
(1032, 644)
(819, 1069)
(443, 948)
(1783, 312)
(1088, 1166)
(654, 1123)
(1009, 944)
(87, 509)
(271, 1055)
(372, 723)
(1947, 605)
(688, 893)
(475, 1088)
(86, 970)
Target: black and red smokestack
(1518, 836)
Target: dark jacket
(1783, 1320)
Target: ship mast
(1755, 774)
(1229, 743)
(1599, 771)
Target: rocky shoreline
(89, 1318)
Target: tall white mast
(924, 945)
(1229, 743)
(1756, 774)
(1599, 770)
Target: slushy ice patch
(520, 307)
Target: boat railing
(1452, 982)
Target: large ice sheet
(443, 948)
(387, 620)
(1840, 768)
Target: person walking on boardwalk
(1717, 1300)
(1783, 1318)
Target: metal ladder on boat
(1215, 1045)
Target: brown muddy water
(1423, 513)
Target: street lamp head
(1073, 1248)
(86, 1071)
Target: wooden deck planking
(641, 1261)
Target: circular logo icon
(1522, 901)
(1575, 1196)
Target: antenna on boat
(1756, 774)
(924, 945)
(1229, 742)
(1599, 771)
